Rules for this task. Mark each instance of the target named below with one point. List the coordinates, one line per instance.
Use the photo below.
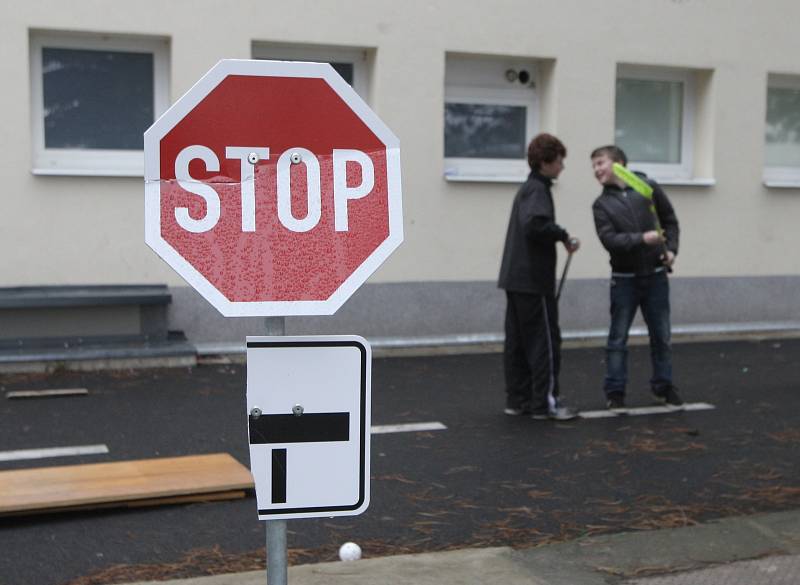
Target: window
(654, 118)
(351, 64)
(782, 136)
(93, 98)
(490, 115)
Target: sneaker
(510, 411)
(616, 403)
(560, 412)
(670, 398)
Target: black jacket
(621, 216)
(529, 257)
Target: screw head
(297, 410)
(295, 158)
(255, 412)
(252, 158)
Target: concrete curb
(493, 342)
(586, 561)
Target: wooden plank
(192, 499)
(122, 481)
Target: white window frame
(321, 54)
(481, 80)
(684, 170)
(781, 176)
(92, 162)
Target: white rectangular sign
(308, 411)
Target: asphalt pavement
(486, 482)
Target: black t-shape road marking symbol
(322, 427)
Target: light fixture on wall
(522, 76)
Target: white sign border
(184, 105)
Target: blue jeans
(651, 294)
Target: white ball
(349, 551)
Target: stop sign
(272, 188)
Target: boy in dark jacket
(532, 353)
(641, 256)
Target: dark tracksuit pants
(532, 354)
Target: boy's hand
(668, 258)
(652, 238)
(572, 245)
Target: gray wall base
(455, 309)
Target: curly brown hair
(545, 148)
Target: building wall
(89, 229)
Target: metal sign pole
(276, 552)
(277, 573)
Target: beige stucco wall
(61, 230)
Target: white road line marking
(47, 393)
(407, 428)
(22, 454)
(644, 410)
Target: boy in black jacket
(640, 260)
(532, 353)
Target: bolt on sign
(272, 188)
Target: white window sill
(87, 173)
(699, 182)
(486, 178)
(782, 184)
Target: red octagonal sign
(272, 188)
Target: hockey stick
(641, 186)
(564, 275)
